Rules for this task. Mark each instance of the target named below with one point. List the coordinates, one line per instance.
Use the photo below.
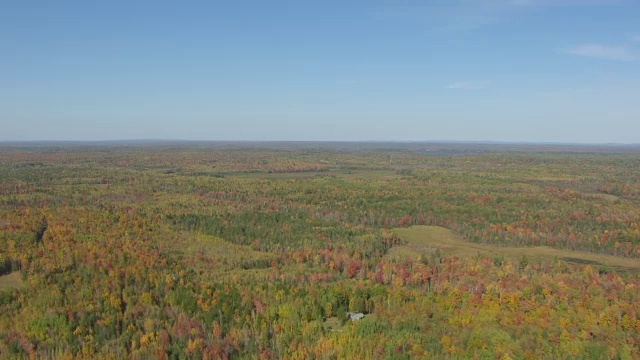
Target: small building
(355, 316)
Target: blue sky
(504, 70)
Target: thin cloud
(467, 85)
(469, 15)
(605, 52)
(453, 16)
(566, 3)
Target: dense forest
(260, 251)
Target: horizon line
(479, 142)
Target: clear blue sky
(509, 70)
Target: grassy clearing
(225, 254)
(423, 240)
(602, 196)
(332, 324)
(11, 281)
(215, 259)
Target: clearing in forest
(11, 281)
(216, 257)
(423, 240)
(332, 324)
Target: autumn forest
(268, 250)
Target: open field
(11, 281)
(332, 324)
(602, 196)
(423, 240)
